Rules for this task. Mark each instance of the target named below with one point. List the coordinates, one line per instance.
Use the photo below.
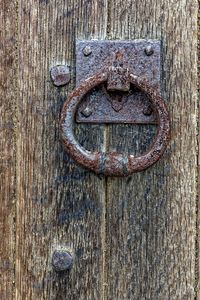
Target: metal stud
(149, 50)
(62, 260)
(60, 75)
(86, 112)
(147, 111)
(87, 50)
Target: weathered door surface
(131, 238)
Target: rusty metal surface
(112, 163)
(123, 105)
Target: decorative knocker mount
(115, 66)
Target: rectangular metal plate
(142, 58)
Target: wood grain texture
(151, 226)
(8, 31)
(132, 238)
(58, 203)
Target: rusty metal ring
(113, 163)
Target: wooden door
(132, 238)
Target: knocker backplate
(142, 58)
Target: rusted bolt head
(147, 111)
(62, 260)
(86, 112)
(87, 50)
(60, 75)
(149, 50)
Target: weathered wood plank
(8, 94)
(198, 185)
(151, 225)
(58, 203)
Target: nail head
(149, 50)
(87, 50)
(86, 112)
(147, 111)
(60, 75)
(62, 260)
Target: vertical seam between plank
(105, 250)
(108, 30)
(105, 223)
(106, 198)
(197, 175)
(16, 120)
(16, 142)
